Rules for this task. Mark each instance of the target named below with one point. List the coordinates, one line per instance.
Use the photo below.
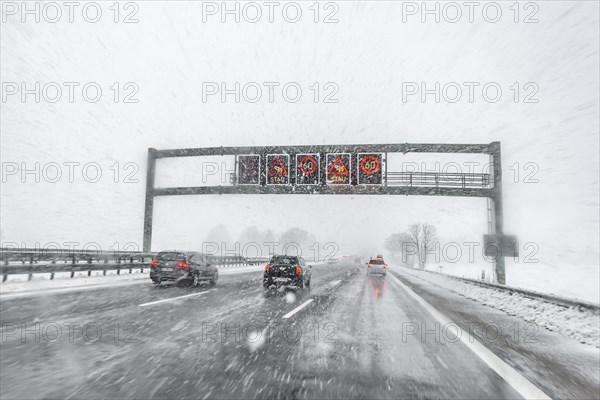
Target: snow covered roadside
(17, 284)
(579, 324)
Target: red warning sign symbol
(370, 165)
(277, 168)
(338, 167)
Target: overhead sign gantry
(360, 169)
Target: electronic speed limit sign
(248, 171)
(370, 167)
(307, 169)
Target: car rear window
(170, 256)
(284, 260)
(376, 261)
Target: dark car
(287, 271)
(182, 266)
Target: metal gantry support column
(490, 215)
(497, 209)
(149, 204)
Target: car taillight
(368, 265)
(298, 271)
(267, 268)
(385, 266)
(154, 263)
(182, 264)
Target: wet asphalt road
(354, 339)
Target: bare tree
(390, 243)
(422, 240)
(249, 234)
(429, 241)
(219, 235)
(394, 243)
(400, 244)
(413, 245)
(296, 241)
(418, 241)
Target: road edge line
(521, 384)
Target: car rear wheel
(214, 279)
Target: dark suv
(287, 271)
(182, 266)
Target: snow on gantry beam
(334, 148)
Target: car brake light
(154, 263)
(182, 264)
(267, 268)
(368, 265)
(298, 271)
(385, 266)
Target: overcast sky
(367, 57)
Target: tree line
(414, 244)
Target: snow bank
(19, 283)
(577, 323)
(569, 279)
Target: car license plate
(167, 269)
(282, 279)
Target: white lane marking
(172, 299)
(525, 388)
(300, 307)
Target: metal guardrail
(548, 298)
(36, 260)
(52, 269)
(74, 256)
(438, 179)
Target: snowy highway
(352, 335)
(299, 200)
